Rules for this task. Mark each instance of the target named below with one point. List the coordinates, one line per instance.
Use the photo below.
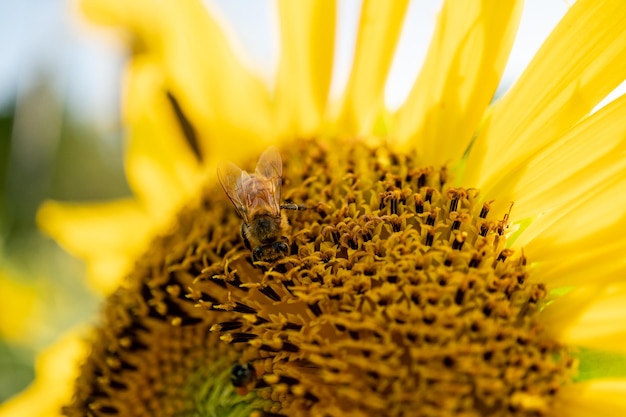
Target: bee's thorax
(264, 228)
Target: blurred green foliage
(46, 152)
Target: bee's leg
(246, 242)
(258, 253)
(290, 205)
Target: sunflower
(457, 256)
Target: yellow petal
(585, 158)
(56, 370)
(109, 12)
(579, 242)
(17, 307)
(162, 166)
(606, 398)
(307, 35)
(594, 210)
(462, 70)
(114, 233)
(202, 71)
(226, 102)
(106, 270)
(140, 16)
(598, 255)
(379, 30)
(588, 223)
(580, 63)
(592, 317)
(601, 327)
(565, 310)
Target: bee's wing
(270, 166)
(230, 176)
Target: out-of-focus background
(61, 138)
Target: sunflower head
(398, 293)
(398, 289)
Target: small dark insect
(242, 377)
(256, 198)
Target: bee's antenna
(290, 205)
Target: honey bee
(256, 198)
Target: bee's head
(276, 250)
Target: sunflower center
(398, 297)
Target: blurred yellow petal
(140, 17)
(210, 80)
(379, 30)
(462, 70)
(307, 36)
(105, 270)
(592, 317)
(597, 163)
(601, 326)
(579, 64)
(201, 70)
(162, 167)
(566, 309)
(606, 398)
(18, 303)
(56, 370)
(113, 234)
